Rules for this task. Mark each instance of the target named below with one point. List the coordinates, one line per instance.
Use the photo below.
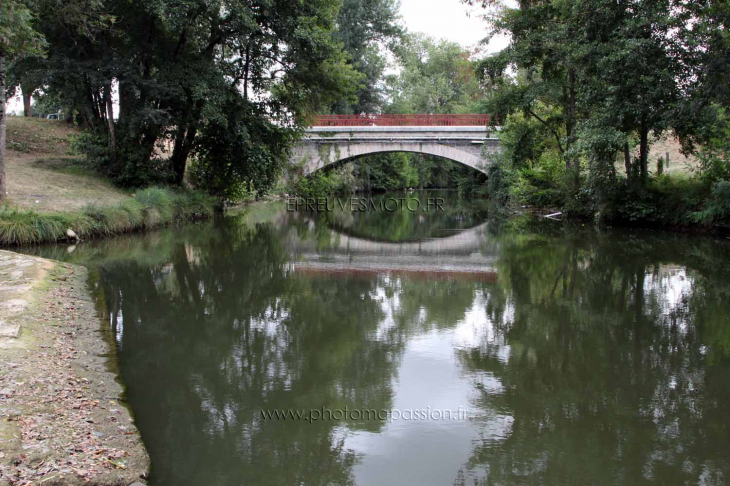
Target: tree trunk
(644, 154)
(110, 121)
(571, 122)
(627, 160)
(181, 152)
(89, 114)
(246, 72)
(184, 142)
(27, 102)
(3, 188)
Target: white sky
(442, 19)
(448, 19)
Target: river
(426, 347)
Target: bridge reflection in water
(463, 255)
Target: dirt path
(41, 174)
(60, 419)
(35, 183)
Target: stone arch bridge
(333, 139)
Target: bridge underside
(325, 146)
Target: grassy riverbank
(51, 191)
(147, 209)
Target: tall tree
(181, 67)
(633, 70)
(603, 73)
(368, 29)
(435, 77)
(17, 38)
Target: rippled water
(564, 355)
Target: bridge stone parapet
(321, 147)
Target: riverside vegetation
(214, 96)
(149, 208)
(581, 132)
(53, 192)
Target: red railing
(402, 120)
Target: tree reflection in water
(593, 358)
(612, 354)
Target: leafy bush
(240, 151)
(541, 185)
(94, 150)
(534, 187)
(132, 168)
(717, 206)
(714, 155)
(319, 184)
(668, 200)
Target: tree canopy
(203, 79)
(593, 81)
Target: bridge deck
(398, 134)
(403, 120)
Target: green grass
(65, 165)
(148, 209)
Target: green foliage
(238, 153)
(363, 28)
(227, 82)
(150, 208)
(596, 76)
(499, 180)
(589, 83)
(524, 140)
(436, 77)
(666, 200)
(93, 149)
(714, 154)
(387, 172)
(717, 206)
(325, 183)
(18, 37)
(473, 184)
(128, 171)
(541, 185)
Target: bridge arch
(321, 155)
(464, 139)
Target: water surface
(568, 355)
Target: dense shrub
(239, 153)
(714, 154)
(541, 184)
(717, 206)
(666, 200)
(537, 188)
(326, 183)
(130, 169)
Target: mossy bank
(147, 209)
(62, 422)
